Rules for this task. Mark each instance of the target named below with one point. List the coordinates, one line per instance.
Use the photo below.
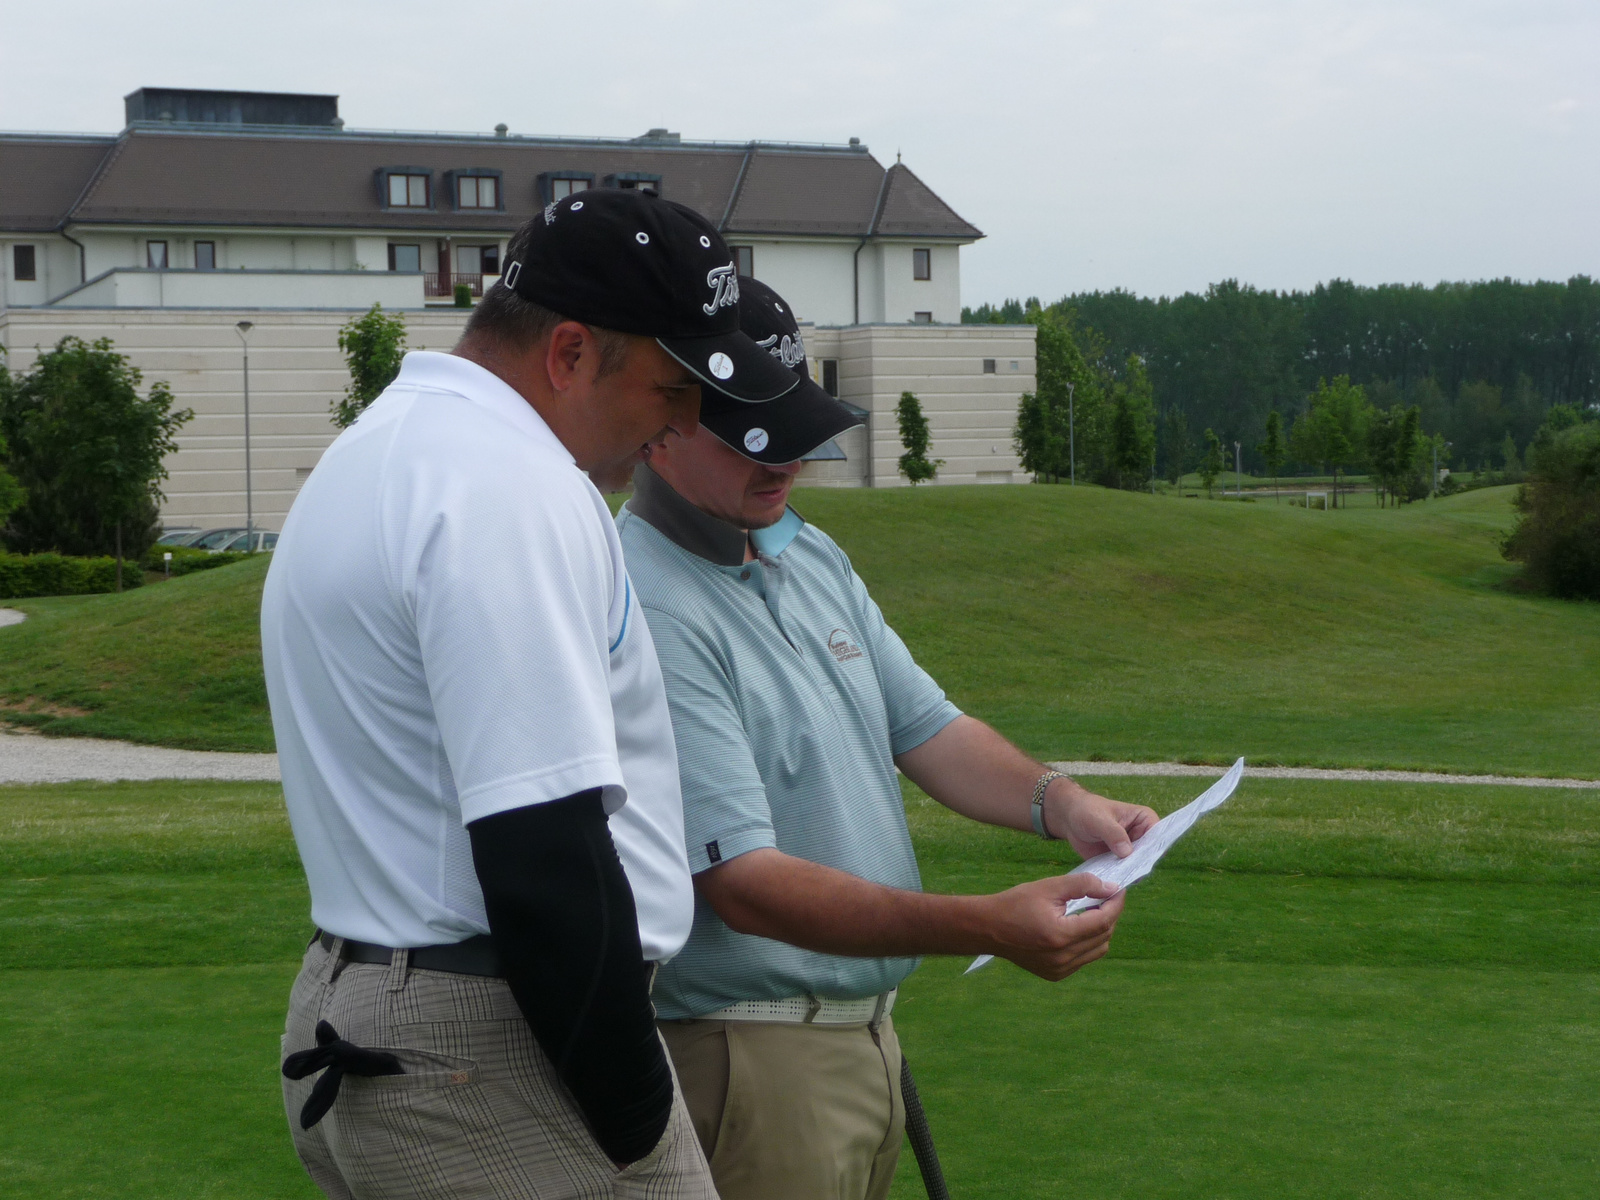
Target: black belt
(475, 956)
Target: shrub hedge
(1558, 535)
(60, 575)
(186, 559)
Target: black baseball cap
(782, 430)
(627, 260)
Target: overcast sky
(1152, 146)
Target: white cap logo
(755, 441)
(722, 367)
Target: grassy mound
(176, 664)
(1087, 623)
(1084, 623)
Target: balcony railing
(436, 283)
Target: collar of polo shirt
(658, 504)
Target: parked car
(178, 535)
(215, 539)
(265, 540)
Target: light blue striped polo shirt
(790, 697)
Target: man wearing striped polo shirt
(792, 704)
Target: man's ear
(571, 355)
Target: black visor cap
(788, 428)
(627, 260)
(781, 431)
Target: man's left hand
(1093, 824)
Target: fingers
(1139, 820)
(1083, 884)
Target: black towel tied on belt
(341, 1058)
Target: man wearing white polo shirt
(476, 751)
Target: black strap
(336, 1058)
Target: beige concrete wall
(296, 373)
(970, 414)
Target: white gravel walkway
(32, 758)
(1130, 768)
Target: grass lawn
(1082, 622)
(175, 663)
(1327, 990)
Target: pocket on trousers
(422, 1069)
(669, 1139)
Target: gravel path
(31, 758)
(1129, 768)
(10, 616)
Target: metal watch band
(1038, 805)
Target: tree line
(1482, 363)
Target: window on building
(491, 260)
(922, 264)
(830, 376)
(404, 257)
(922, 318)
(469, 260)
(559, 187)
(633, 181)
(988, 366)
(477, 191)
(155, 255)
(745, 257)
(205, 256)
(408, 191)
(24, 265)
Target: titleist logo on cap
(724, 285)
(787, 350)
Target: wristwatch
(1038, 805)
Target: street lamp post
(243, 329)
(1072, 433)
(1238, 473)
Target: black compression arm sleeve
(564, 926)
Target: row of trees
(1482, 362)
(1097, 419)
(81, 452)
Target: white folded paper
(1123, 873)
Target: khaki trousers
(479, 1113)
(792, 1112)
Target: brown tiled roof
(254, 177)
(910, 209)
(790, 192)
(41, 177)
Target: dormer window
(558, 185)
(476, 190)
(406, 187)
(634, 181)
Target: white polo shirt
(449, 632)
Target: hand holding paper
(1123, 873)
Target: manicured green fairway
(1081, 622)
(1327, 990)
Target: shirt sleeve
(512, 595)
(725, 810)
(916, 706)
